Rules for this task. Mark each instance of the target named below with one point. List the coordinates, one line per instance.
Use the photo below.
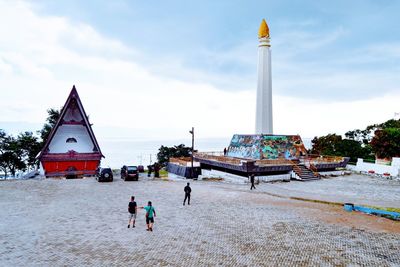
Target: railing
(315, 159)
(238, 161)
(212, 153)
(314, 169)
(205, 155)
(310, 160)
(263, 162)
(296, 169)
(321, 159)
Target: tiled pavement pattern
(82, 222)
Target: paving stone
(83, 222)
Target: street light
(191, 169)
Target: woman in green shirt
(150, 214)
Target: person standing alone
(187, 190)
(132, 209)
(252, 182)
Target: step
(304, 173)
(308, 173)
(306, 180)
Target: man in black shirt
(187, 190)
(132, 209)
(252, 182)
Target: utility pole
(191, 169)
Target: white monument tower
(264, 85)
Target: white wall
(83, 145)
(274, 178)
(264, 122)
(240, 179)
(393, 169)
(224, 175)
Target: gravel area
(83, 222)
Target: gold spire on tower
(264, 30)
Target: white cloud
(315, 118)
(304, 41)
(41, 57)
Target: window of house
(71, 140)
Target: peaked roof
(264, 30)
(72, 95)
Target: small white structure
(264, 85)
(393, 169)
(228, 177)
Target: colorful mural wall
(266, 146)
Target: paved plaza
(82, 222)
(357, 189)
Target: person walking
(132, 209)
(187, 190)
(150, 214)
(157, 168)
(252, 182)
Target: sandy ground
(83, 222)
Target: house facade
(71, 149)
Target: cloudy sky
(150, 70)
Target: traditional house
(71, 149)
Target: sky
(151, 70)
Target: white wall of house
(393, 169)
(83, 145)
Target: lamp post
(191, 169)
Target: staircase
(304, 174)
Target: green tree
(386, 143)
(361, 136)
(354, 150)
(365, 136)
(387, 124)
(11, 154)
(30, 147)
(165, 153)
(335, 145)
(3, 135)
(51, 120)
(326, 145)
(16, 154)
